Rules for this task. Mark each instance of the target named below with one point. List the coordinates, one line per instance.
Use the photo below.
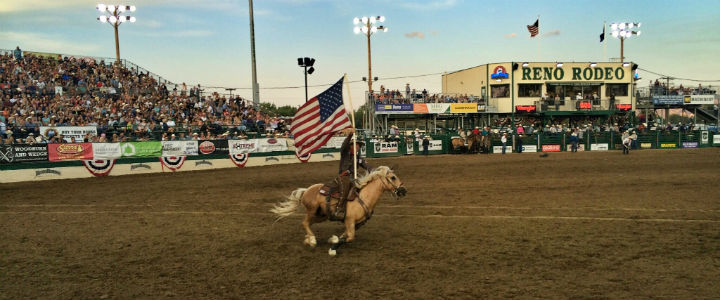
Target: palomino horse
(458, 144)
(359, 211)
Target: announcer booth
(547, 90)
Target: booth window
(529, 90)
(617, 89)
(500, 90)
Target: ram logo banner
(304, 158)
(326, 155)
(173, 163)
(7, 153)
(269, 158)
(203, 162)
(239, 159)
(47, 171)
(139, 165)
(99, 167)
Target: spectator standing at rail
(426, 145)
(574, 140)
(503, 139)
(407, 92)
(519, 143)
(18, 53)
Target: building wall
(574, 74)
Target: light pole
(230, 90)
(115, 19)
(623, 31)
(367, 26)
(306, 62)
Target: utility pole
(256, 93)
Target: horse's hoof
(332, 252)
(334, 239)
(310, 241)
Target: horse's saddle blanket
(333, 192)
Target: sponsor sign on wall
(435, 145)
(668, 145)
(498, 149)
(690, 144)
(431, 108)
(581, 147)
(646, 145)
(242, 146)
(272, 145)
(699, 99)
(668, 100)
(599, 147)
(68, 132)
(704, 138)
(529, 148)
(463, 108)
(716, 139)
(103, 151)
(551, 148)
(394, 108)
(213, 147)
(72, 151)
(386, 147)
(141, 149)
(23, 153)
(335, 142)
(179, 148)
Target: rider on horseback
(344, 181)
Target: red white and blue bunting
(305, 158)
(99, 167)
(173, 163)
(240, 159)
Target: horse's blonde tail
(287, 207)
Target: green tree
(286, 111)
(675, 118)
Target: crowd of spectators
(388, 96)
(123, 104)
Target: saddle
(334, 192)
(332, 197)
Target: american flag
(534, 28)
(319, 119)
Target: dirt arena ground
(571, 225)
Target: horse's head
(393, 183)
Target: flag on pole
(319, 119)
(534, 28)
(602, 35)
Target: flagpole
(352, 117)
(538, 40)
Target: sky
(208, 42)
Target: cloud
(555, 32)
(510, 35)
(181, 33)
(415, 34)
(431, 5)
(434, 33)
(45, 43)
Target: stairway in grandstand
(710, 116)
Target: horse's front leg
(309, 235)
(346, 237)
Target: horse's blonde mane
(378, 172)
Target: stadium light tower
(306, 62)
(114, 18)
(623, 31)
(368, 26)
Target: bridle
(397, 190)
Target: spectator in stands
(18, 53)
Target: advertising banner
(529, 148)
(141, 149)
(106, 151)
(242, 146)
(68, 132)
(550, 148)
(498, 149)
(699, 99)
(599, 147)
(431, 108)
(646, 145)
(690, 144)
(74, 151)
(581, 147)
(704, 138)
(335, 142)
(435, 145)
(272, 145)
(23, 153)
(716, 139)
(668, 100)
(179, 148)
(463, 108)
(213, 147)
(386, 147)
(394, 108)
(668, 145)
